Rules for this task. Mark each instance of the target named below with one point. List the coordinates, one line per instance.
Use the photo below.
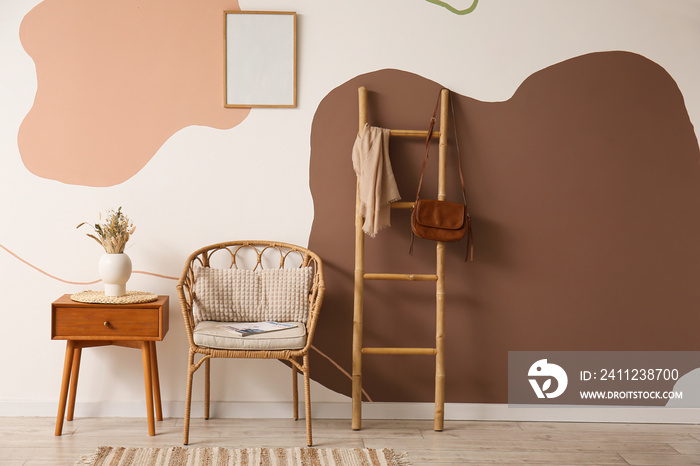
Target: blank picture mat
(260, 59)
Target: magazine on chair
(247, 328)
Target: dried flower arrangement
(114, 233)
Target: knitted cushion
(226, 295)
(237, 295)
(285, 294)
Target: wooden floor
(30, 440)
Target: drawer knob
(107, 324)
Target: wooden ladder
(439, 278)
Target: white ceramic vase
(114, 270)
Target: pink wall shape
(116, 79)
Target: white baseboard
(326, 410)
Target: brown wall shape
(584, 189)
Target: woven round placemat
(98, 297)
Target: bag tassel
(470, 241)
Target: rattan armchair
(239, 257)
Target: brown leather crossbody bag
(441, 220)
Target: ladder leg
(358, 294)
(357, 377)
(357, 322)
(439, 420)
(440, 340)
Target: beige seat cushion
(215, 335)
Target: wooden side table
(130, 325)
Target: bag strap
(428, 138)
(459, 156)
(470, 237)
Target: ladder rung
(415, 277)
(413, 133)
(402, 205)
(427, 351)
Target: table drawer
(104, 323)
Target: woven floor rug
(216, 456)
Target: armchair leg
(188, 400)
(295, 390)
(307, 400)
(207, 372)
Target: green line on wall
(453, 9)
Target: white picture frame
(260, 59)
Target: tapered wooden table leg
(73, 383)
(65, 382)
(156, 381)
(148, 382)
